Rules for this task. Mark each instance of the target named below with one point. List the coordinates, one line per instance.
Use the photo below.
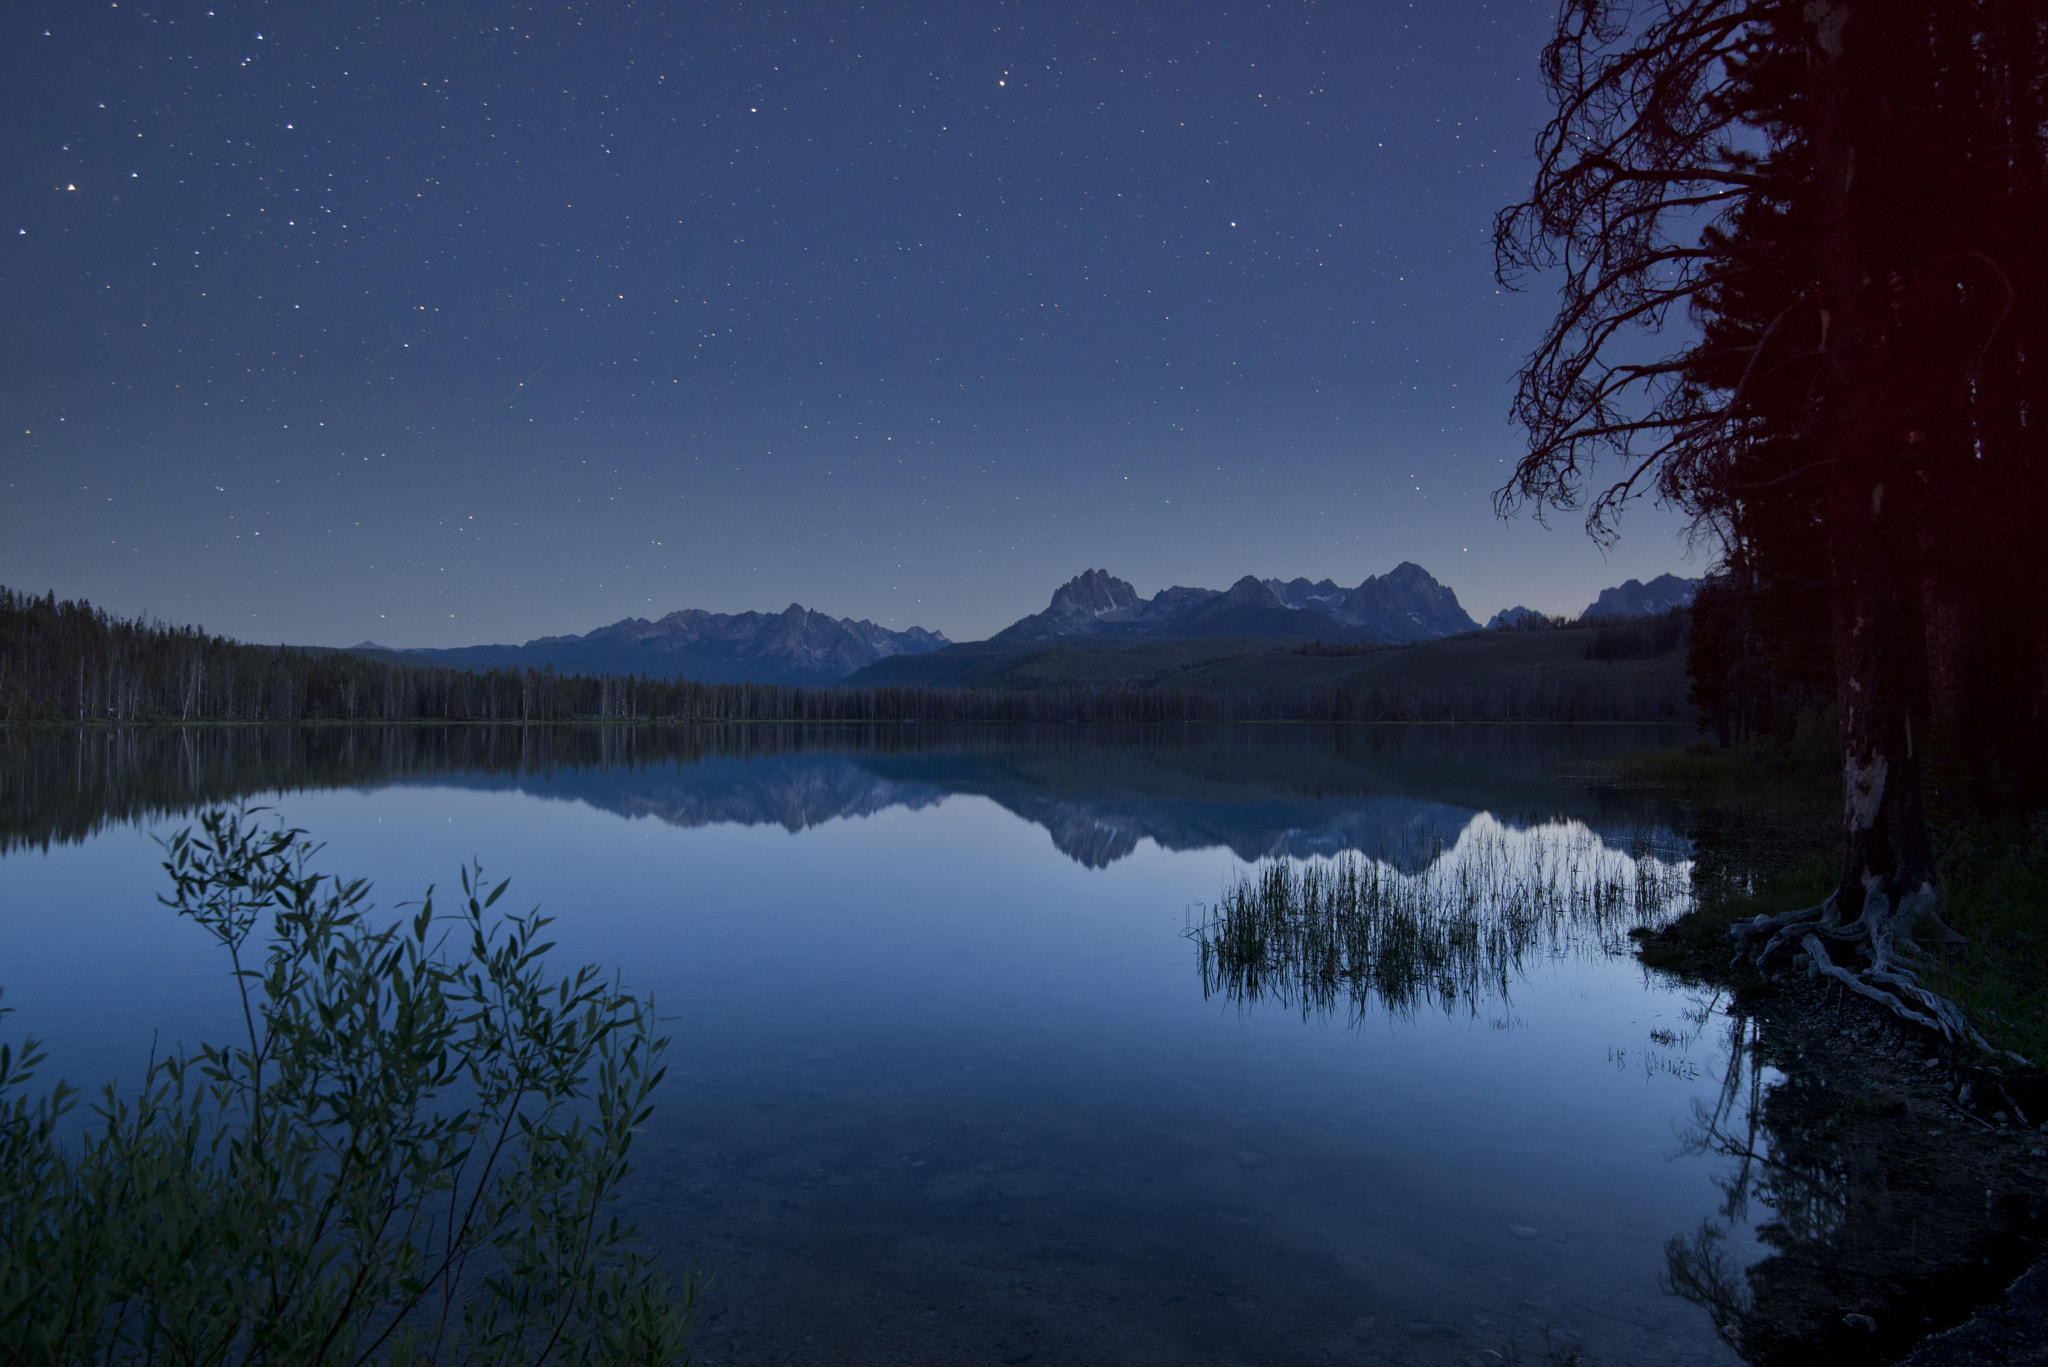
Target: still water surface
(946, 1085)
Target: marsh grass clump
(407, 1156)
(1314, 934)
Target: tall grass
(1314, 935)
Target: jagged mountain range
(800, 646)
(1633, 598)
(1405, 604)
(794, 646)
(1636, 599)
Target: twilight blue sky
(452, 322)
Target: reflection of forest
(1882, 1223)
(1398, 793)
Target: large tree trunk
(1876, 508)
(1884, 426)
(2016, 396)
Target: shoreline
(1904, 1184)
(366, 723)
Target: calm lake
(949, 1083)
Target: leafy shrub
(407, 1158)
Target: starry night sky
(445, 323)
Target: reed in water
(1315, 934)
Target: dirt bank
(1902, 1185)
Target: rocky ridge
(794, 646)
(1634, 598)
(1405, 604)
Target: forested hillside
(69, 662)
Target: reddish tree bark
(1876, 510)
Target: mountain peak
(1095, 593)
(1634, 598)
(1405, 604)
(1322, 596)
(1250, 591)
(1513, 617)
(1079, 607)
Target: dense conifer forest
(64, 661)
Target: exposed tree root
(1879, 936)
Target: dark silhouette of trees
(68, 662)
(1757, 654)
(1847, 197)
(1640, 638)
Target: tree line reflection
(1400, 793)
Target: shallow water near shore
(949, 1083)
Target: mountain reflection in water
(1396, 794)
